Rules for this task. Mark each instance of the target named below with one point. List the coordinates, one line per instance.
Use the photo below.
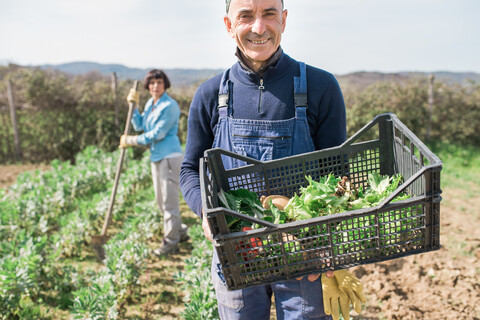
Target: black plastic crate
(393, 229)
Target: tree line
(59, 115)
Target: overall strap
(300, 86)
(224, 95)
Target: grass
(461, 171)
(461, 166)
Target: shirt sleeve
(199, 138)
(137, 120)
(332, 123)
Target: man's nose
(259, 26)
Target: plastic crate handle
(204, 183)
(242, 216)
(211, 152)
(402, 187)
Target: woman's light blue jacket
(159, 123)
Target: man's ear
(284, 19)
(228, 25)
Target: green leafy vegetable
(246, 202)
(326, 196)
(279, 215)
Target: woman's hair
(156, 74)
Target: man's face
(257, 27)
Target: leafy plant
(327, 196)
(46, 220)
(195, 280)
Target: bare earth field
(9, 173)
(443, 284)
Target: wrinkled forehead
(227, 3)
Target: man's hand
(128, 141)
(314, 276)
(206, 228)
(133, 96)
(352, 287)
(334, 299)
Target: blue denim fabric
(294, 299)
(265, 140)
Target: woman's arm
(167, 118)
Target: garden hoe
(99, 241)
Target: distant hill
(361, 80)
(187, 77)
(178, 77)
(447, 76)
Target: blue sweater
(326, 112)
(160, 125)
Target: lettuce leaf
(318, 198)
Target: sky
(340, 36)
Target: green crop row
(47, 263)
(200, 301)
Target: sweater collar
(270, 62)
(274, 71)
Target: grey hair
(227, 2)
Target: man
(265, 96)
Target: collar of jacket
(151, 104)
(270, 62)
(274, 71)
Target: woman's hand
(133, 96)
(128, 141)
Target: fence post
(5, 143)
(13, 117)
(430, 105)
(115, 99)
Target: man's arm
(199, 138)
(331, 128)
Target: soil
(9, 173)
(443, 284)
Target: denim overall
(265, 140)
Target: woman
(159, 123)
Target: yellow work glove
(334, 299)
(128, 141)
(133, 96)
(352, 287)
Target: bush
(453, 118)
(59, 115)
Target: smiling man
(257, 29)
(266, 106)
